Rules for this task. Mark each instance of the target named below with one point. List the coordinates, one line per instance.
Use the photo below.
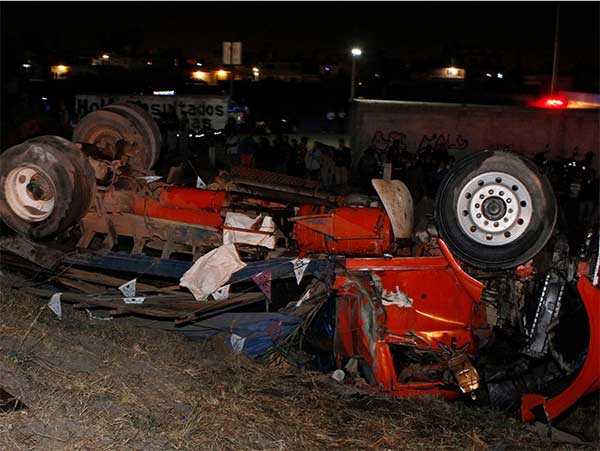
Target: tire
(122, 122)
(46, 186)
(495, 210)
(144, 122)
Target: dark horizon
(515, 31)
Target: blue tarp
(152, 266)
(252, 334)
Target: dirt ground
(108, 385)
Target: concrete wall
(467, 128)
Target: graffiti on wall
(383, 142)
(434, 142)
(441, 142)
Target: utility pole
(556, 39)
(355, 52)
(232, 55)
(353, 82)
(232, 76)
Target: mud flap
(398, 204)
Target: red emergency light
(552, 102)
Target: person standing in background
(184, 135)
(343, 161)
(247, 150)
(263, 153)
(301, 156)
(368, 169)
(312, 161)
(327, 167)
(231, 144)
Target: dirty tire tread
(71, 174)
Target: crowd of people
(421, 172)
(574, 181)
(331, 166)
(576, 186)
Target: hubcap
(30, 193)
(494, 208)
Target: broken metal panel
(41, 255)
(435, 316)
(535, 406)
(440, 315)
(547, 309)
(144, 229)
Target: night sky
(405, 30)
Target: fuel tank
(350, 231)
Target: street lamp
(356, 52)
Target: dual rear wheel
(46, 185)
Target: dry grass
(94, 385)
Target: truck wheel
(46, 185)
(145, 123)
(495, 210)
(123, 122)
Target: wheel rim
(494, 209)
(30, 193)
(104, 138)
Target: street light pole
(356, 52)
(353, 82)
(555, 59)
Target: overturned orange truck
(489, 300)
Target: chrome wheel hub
(494, 208)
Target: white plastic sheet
(247, 235)
(212, 271)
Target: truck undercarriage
(487, 300)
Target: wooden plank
(198, 315)
(111, 281)
(81, 286)
(166, 306)
(138, 264)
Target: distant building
(281, 70)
